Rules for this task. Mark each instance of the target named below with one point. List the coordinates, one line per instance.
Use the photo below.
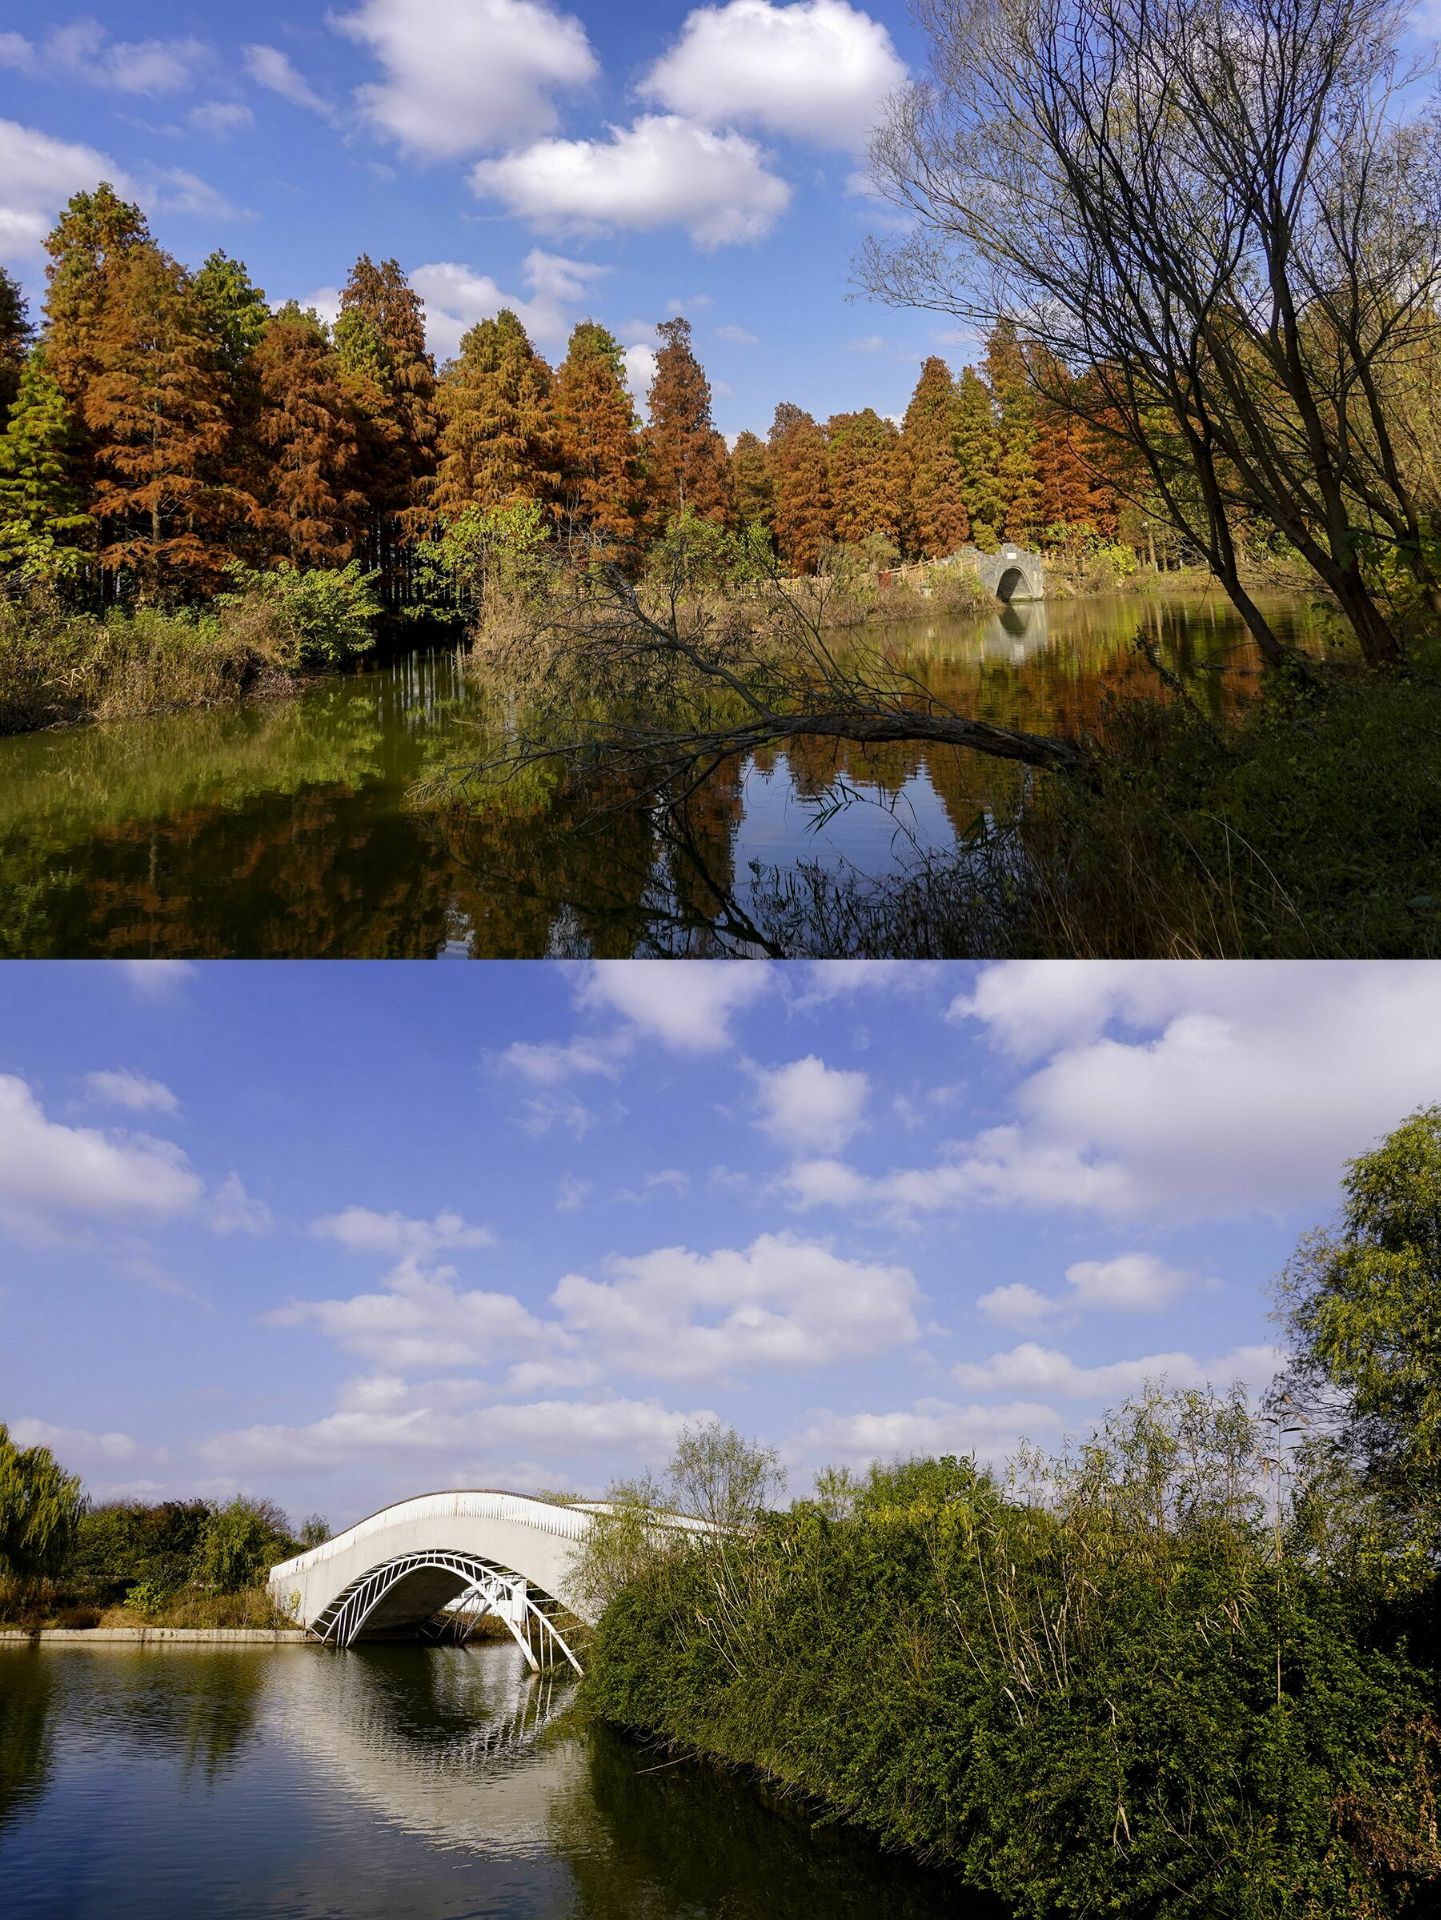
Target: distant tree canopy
(163, 426)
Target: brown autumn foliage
(603, 484)
(804, 520)
(308, 507)
(688, 466)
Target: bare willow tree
(1220, 223)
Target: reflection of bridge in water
(467, 1765)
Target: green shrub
(322, 618)
(148, 1599)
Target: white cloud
(547, 1111)
(1237, 1086)
(661, 171)
(1230, 1088)
(465, 75)
(1131, 1283)
(1016, 1305)
(86, 50)
(424, 1318)
(50, 1174)
(687, 1006)
(549, 1065)
(640, 368)
(810, 1106)
(930, 1428)
(779, 1302)
(570, 1193)
(364, 1231)
(37, 176)
(220, 117)
(823, 981)
(133, 1091)
(73, 1446)
(16, 52)
(151, 979)
(456, 298)
(738, 336)
(818, 70)
(1030, 1368)
(270, 68)
(233, 1210)
(593, 1428)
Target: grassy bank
(59, 667)
(1121, 1692)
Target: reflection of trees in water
(27, 1686)
(203, 1708)
(283, 829)
(647, 1841)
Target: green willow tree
(40, 1508)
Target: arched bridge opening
(1012, 584)
(426, 1591)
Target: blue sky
(347, 1233)
(621, 162)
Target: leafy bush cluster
(1118, 1694)
(58, 666)
(175, 1562)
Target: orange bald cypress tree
(310, 509)
(602, 486)
(498, 445)
(154, 407)
(382, 352)
(1017, 481)
(866, 467)
(804, 521)
(688, 466)
(90, 243)
(936, 520)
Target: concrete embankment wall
(153, 1637)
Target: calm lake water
(288, 829)
(387, 1781)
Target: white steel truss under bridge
(460, 1583)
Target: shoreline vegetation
(1188, 1666)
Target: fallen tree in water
(710, 658)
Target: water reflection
(440, 1783)
(26, 1688)
(288, 828)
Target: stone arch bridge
(459, 1554)
(1011, 573)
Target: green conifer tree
(45, 533)
(978, 457)
(16, 333)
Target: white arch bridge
(447, 1557)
